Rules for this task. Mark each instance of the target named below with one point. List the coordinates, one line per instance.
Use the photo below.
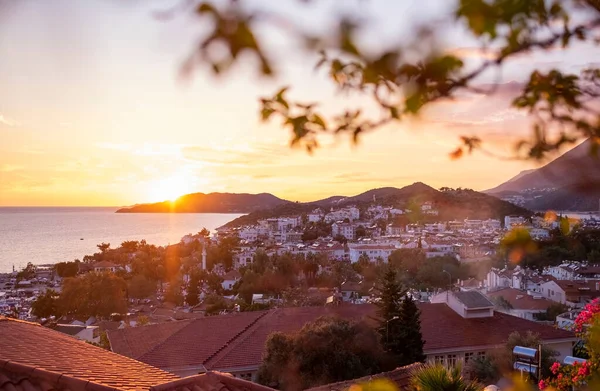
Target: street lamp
(387, 328)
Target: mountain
(582, 198)
(575, 168)
(210, 203)
(450, 203)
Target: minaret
(204, 257)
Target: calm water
(48, 235)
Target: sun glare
(170, 188)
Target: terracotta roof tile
(33, 357)
(520, 300)
(442, 328)
(135, 341)
(190, 344)
(236, 341)
(211, 381)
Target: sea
(45, 235)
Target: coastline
(50, 235)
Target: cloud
(11, 168)
(11, 123)
(262, 154)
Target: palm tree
(439, 378)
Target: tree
(324, 351)
(140, 287)
(403, 84)
(204, 233)
(360, 232)
(552, 312)
(193, 292)
(410, 332)
(389, 312)
(67, 269)
(439, 378)
(173, 293)
(46, 305)
(27, 273)
(94, 294)
(103, 247)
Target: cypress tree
(410, 333)
(389, 312)
(399, 321)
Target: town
(241, 284)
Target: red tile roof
(135, 341)
(226, 342)
(520, 300)
(442, 328)
(46, 357)
(34, 358)
(181, 344)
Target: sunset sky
(92, 111)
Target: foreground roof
(53, 358)
(35, 358)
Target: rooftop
(233, 341)
(30, 350)
(35, 358)
(520, 300)
(473, 299)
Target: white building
(347, 230)
(85, 333)
(230, 279)
(498, 279)
(564, 271)
(440, 250)
(248, 233)
(315, 216)
(510, 221)
(373, 251)
(351, 213)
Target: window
(451, 360)
(439, 360)
(480, 354)
(468, 356)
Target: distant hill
(451, 204)
(574, 168)
(210, 203)
(582, 198)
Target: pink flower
(555, 367)
(583, 371)
(542, 385)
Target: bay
(42, 235)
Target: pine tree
(410, 333)
(389, 311)
(192, 292)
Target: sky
(92, 111)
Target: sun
(170, 188)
